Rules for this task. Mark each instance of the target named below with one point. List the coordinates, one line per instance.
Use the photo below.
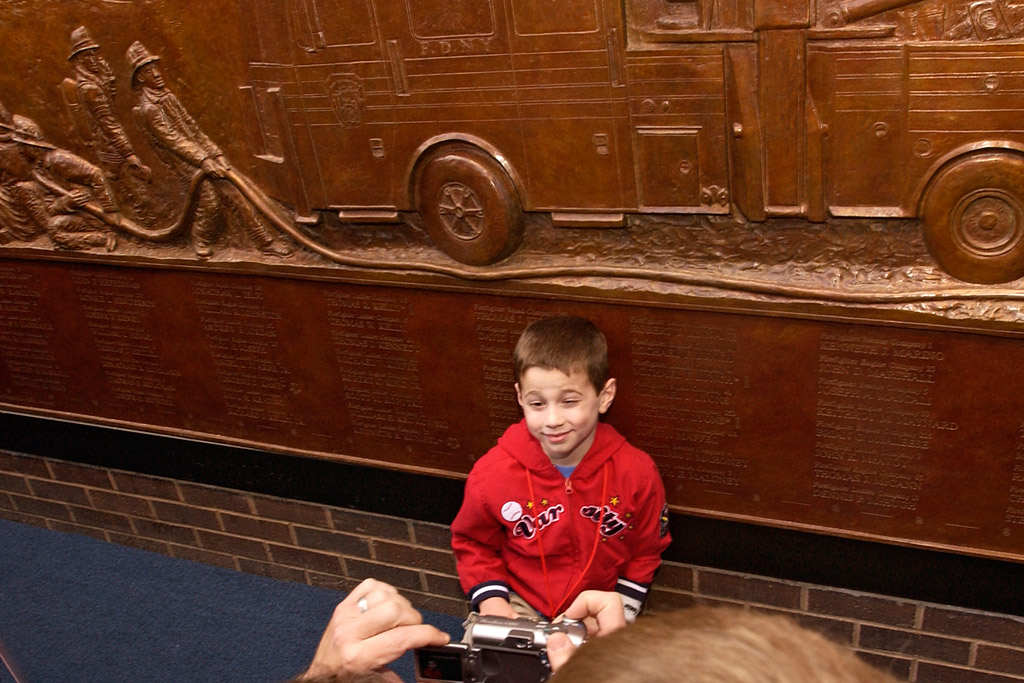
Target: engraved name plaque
(862, 429)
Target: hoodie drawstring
(552, 610)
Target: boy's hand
(497, 607)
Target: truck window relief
(546, 17)
(459, 18)
(333, 23)
(663, 15)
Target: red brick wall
(337, 548)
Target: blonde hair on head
(716, 645)
(563, 342)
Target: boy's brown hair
(563, 342)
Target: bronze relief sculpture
(631, 114)
(317, 226)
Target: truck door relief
(565, 78)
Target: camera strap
(8, 662)
(552, 608)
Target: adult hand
(139, 169)
(76, 198)
(370, 628)
(601, 611)
(215, 166)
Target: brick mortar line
(149, 500)
(915, 660)
(857, 623)
(924, 659)
(946, 636)
(89, 490)
(370, 537)
(133, 521)
(174, 547)
(962, 667)
(889, 654)
(921, 605)
(111, 472)
(430, 572)
(56, 524)
(15, 496)
(112, 492)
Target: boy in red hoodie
(562, 503)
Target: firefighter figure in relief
(89, 96)
(52, 191)
(183, 146)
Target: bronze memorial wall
(857, 428)
(318, 228)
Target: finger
(384, 648)
(361, 642)
(374, 586)
(345, 621)
(385, 611)
(372, 591)
(604, 606)
(560, 649)
(393, 612)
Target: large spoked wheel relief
(973, 218)
(469, 205)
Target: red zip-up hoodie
(525, 527)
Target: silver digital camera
(496, 650)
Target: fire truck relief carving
(852, 152)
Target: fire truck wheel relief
(469, 205)
(973, 217)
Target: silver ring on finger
(362, 605)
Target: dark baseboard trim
(909, 573)
(370, 489)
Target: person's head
(149, 76)
(29, 137)
(82, 43)
(14, 167)
(562, 384)
(716, 645)
(90, 60)
(143, 66)
(85, 52)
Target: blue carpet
(76, 609)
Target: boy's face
(562, 411)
